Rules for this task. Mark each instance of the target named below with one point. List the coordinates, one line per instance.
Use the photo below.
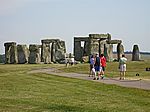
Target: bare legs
(122, 75)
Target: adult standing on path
(97, 66)
(92, 62)
(103, 65)
(122, 67)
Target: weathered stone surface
(108, 37)
(86, 48)
(11, 53)
(53, 50)
(96, 43)
(99, 36)
(135, 53)
(60, 51)
(47, 41)
(114, 42)
(81, 47)
(23, 54)
(46, 52)
(94, 46)
(34, 56)
(102, 46)
(120, 51)
(77, 50)
(108, 52)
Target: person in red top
(103, 65)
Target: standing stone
(94, 46)
(34, 56)
(102, 47)
(23, 54)
(46, 53)
(10, 53)
(53, 50)
(77, 49)
(60, 51)
(135, 53)
(81, 47)
(86, 48)
(108, 37)
(120, 51)
(108, 52)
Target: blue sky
(29, 21)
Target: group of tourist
(98, 65)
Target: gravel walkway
(142, 84)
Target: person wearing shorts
(122, 67)
(103, 65)
(97, 67)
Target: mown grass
(21, 91)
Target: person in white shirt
(122, 67)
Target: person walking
(97, 66)
(103, 65)
(92, 69)
(122, 67)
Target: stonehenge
(97, 43)
(54, 50)
(51, 51)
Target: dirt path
(142, 84)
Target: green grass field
(112, 69)
(21, 91)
